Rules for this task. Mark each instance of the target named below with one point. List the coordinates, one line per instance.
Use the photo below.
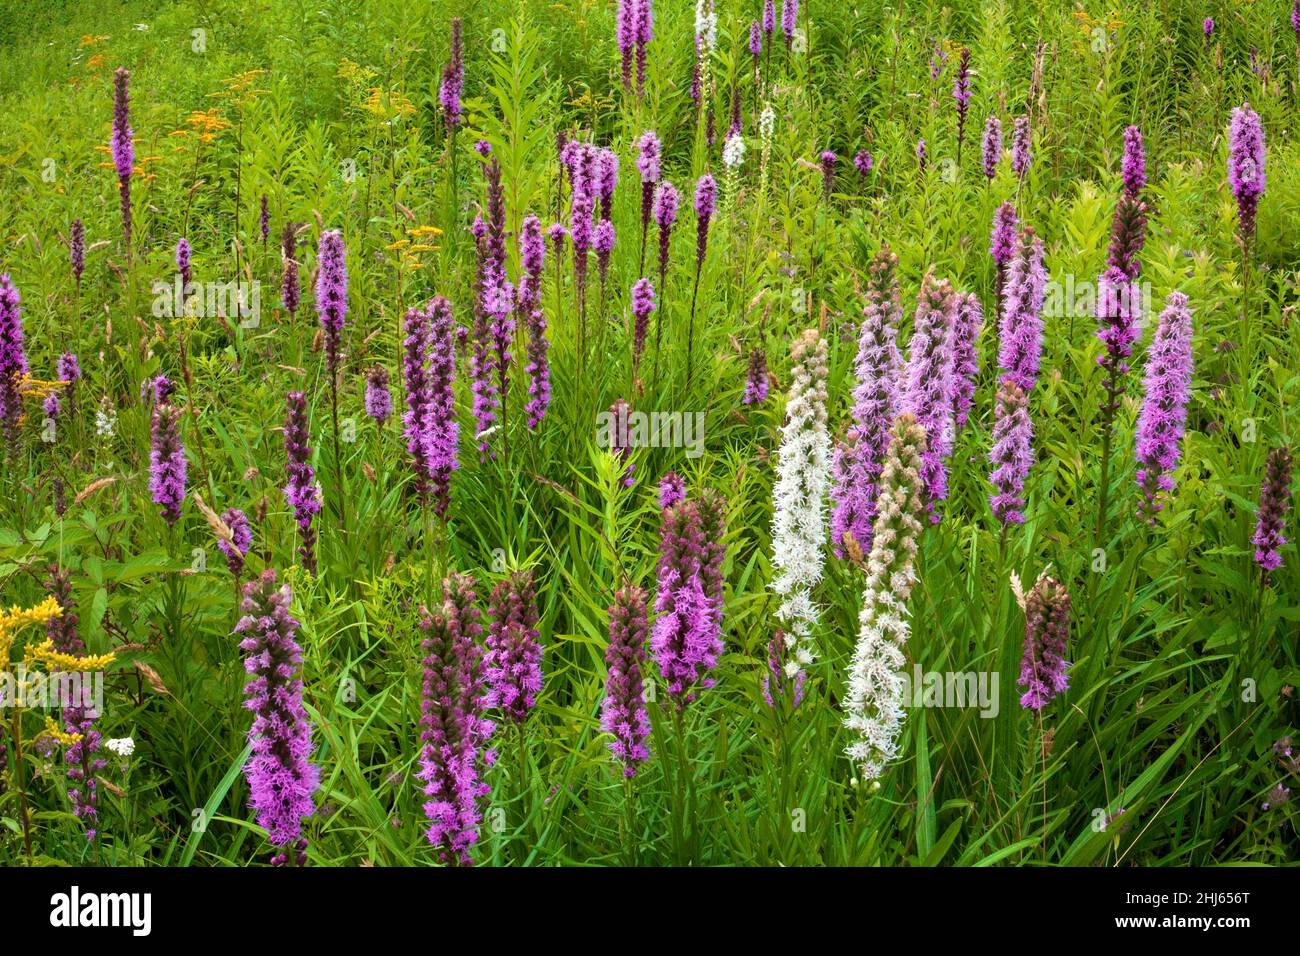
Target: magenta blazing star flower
(122, 147)
(622, 712)
(756, 384)
(1119, 314)
(1134, 169)
(671, 490)
(453, 80)
(643, 303)
(769, 17)
(13, 360)
(1002, 241)
(241, 539)
(687, 635)
(331, 294)
(1246, 165)
(1208, 26)
(264, 220)
(1163, 418)
(789, 17)
(970, 320)
(183, 260)
(961, 94)
(992, 148)
(77, 250)
(755, 40)
(532, 255)
(282, 781)
(1012, 453)
(665, 214)
(1043, 668)
(859, 459)
(827, 161)
(645, 32)
(300, 490)
(920, 155)
(1020, 336)
(608, 173)
(1021, 155)
(513, 664)
(378, 400)
(455, 734)
(863, 162)
(625, 36)
(1274, 503)
(706, 202)
(430, 426)
(167, 464)
(289, 288)
(927, 385)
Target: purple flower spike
(13, 361)
(331, 294)
(992, 147)
(1021, 155)
(756, 377)
(1012, 453)
(300, 491)
(379, 401)
(1043, 669)
(77, 250)
(455, 734)
(1274, 503)
(513, 665)
(687, 635)
(167, 464)
(966, 332)
(622, 712)
(927, 385)
(241, 539)
(1020, 342)
(453, 80)
(643, 303)
(858, 460)
(1246, 166)
(671, 490)
(1168, 386)
(282, 781)
(1134, 169)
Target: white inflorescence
(799, 499)
(874, 705)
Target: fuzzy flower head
(513, 663)
(733, 152)
(379, 401)
(799, 498)
(622, 712)
(992, 146)
(167, 465)
(1020, 342)
(1246, 165)
(648, 157)
(122, 140)
(1134, 168)
(1021, 154)
(13, 359)
(1011, 455)
(1274, 503)
(1043, 668)
(671, 490)
(927, 383)
(282, 781)
(874, 704)
(863, 162)
(1163, 417)
(331, 293)
(241, 539)
(1002, 240)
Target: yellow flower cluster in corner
(409, 249)
(16, 618)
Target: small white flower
(767, 123)
(105, 419)
(122, 746)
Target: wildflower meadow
(649, 433)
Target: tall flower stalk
(1020, 340)
(706, 201)
(301, 491)
(167, 465)
(1011, 455)
(13, 363)
(1119, 326)
(282, 781)
(961, 97)
(799, 501)
(122, 148)
(532, 256)
(331, 308)
(1043, 668)
(927, 385)
(454, 733)
(874, 703)
(1274, 503)
(860, 457)
(1163, 418)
